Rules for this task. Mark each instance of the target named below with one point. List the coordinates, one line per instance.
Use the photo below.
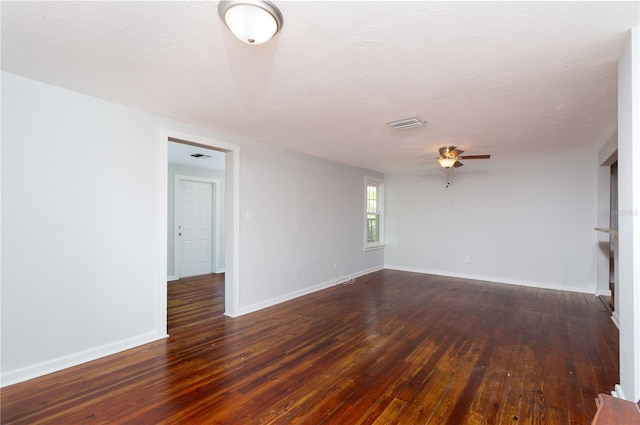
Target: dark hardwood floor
(392, 348)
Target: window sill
(374, 247)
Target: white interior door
(194, 230)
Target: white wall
(193, 172)
(526, 222)
(629, 214)
(300, 213)
(79, 197)
(81, 234)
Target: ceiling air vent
(408, 122)
(200, 155)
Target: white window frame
(379, 183)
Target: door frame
(232, 218)
(215, 229)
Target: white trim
(232, 221)
(605, 292)
(232, 218)
(618, 393)
(63, 362)
(492, 279)
(306, 291)
(162, 236)
(172, 278)
(216, 213)
(374, 247)
(615, 319)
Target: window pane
(372, 199)
(372, 228)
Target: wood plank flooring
(392, 348)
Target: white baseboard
(492, 279)
(74, 359)
(349, 278)
(305, 291)
(605, 292)
(618, 393)
(616, 321)
(173, 278)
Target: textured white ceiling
(180, 154)
(512, 79)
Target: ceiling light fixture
(447, 162)
(253, 22)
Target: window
(374, 218)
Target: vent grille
(408, 122)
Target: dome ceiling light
(253, 22)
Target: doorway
(613, 226)
(196, 204)
(229, 231)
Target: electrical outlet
(335, 265)
(467, 259)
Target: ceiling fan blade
(457, 164)
(475, 157)
(445, 150)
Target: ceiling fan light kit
(253, 22)
(447, 162)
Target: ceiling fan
(450, 157)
